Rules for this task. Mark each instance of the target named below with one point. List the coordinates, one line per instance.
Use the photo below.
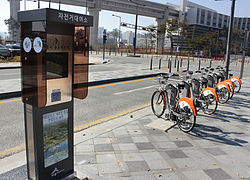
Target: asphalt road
(101, 102)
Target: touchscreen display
(57, 65)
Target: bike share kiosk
(54, 57)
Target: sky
(109, 22)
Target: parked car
(14, 49)
(4, 52)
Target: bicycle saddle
(197, 71)
(190, 72)
(181, 85)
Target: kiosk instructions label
(55, 137)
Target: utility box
(54, 58)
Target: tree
(151, 35)
(12, 24)
(237, 39)
(1, 40)
(115, 35)
(171, 28)
(177, 29)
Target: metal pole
(59, 4)
(136, 20)
(119, 35)
(49, 4)
(244, 53)
(160, 64)
(151, 63)
(199, 67)
(24, 2)
(188, 64)
(86, 5)
(230, 31)
(170, 67)
(38, 4)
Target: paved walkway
(126, 148)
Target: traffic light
(104, 39)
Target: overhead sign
(56, 16)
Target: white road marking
(10, 74)
(133, 90)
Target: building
(128, 37)
(202, 20)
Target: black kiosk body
(54, 57)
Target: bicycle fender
(230, 82)
(165, 104)
(208, 91)
(185, 101)
(234, 78)
(223, 84)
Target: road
(101, 102)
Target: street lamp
(136, 20)
(86, 4)
(119, 31)
(229, 36)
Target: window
(208, 18)
(198, 15)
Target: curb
(9, 67)
(93, 83)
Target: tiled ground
(217, 149)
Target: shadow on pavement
(215, 134)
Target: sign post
(104, 42)
(54, 57)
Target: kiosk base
(49, 141)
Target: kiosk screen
(57, 65)
(55, 137)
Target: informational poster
(55, 137)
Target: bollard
(168, 62)
(210, 65)
(177, 66)
(151, 63)
(188, 64)
(181, 63)
(160, 63)
(121, 53)
(175, 61)
(170, 67)
(199, 67)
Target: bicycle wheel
(223, 94)
(237, 86)
(158, 103)
(188, 120)
(210, 105)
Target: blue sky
(107, 21)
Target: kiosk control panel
(54, 57)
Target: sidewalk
(127, 148)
